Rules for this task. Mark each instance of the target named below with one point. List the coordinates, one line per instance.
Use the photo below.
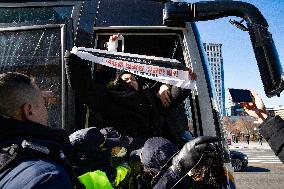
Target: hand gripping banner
(165, 70)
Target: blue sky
(240, 66)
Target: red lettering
(113, 63)
(141, 68)
(108, 61)
(128, 66)
(175, 73)
(161, 71)
(169, 72)
(120, 64)
(155, 70)
(134, 67)
(149, 69)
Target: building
(277, 110)
(215, 60)
(235, 110)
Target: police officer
(32, 155)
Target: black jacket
(139, 114)
(131, 112)
(172, 180)
(29, 170)
(273, 131)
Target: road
(264, 171)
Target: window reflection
(27, 14)
(36, 53)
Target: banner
(165, 70)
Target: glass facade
(215, 59)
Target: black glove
(78, 72)
(191, 153)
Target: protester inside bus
(170, 106)
(171, 101)
(30, 151)
(127, 106)
(164, 167)
(175, 119)
(271, 128)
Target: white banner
(165, 70)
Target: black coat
(139, 114)
(130, 112)
(172, 180)
(273, 131)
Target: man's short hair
(16, 89)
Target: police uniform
(32, 155)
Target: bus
(34, 36)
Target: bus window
(36, 53)
(167, 46)
(26, 14)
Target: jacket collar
(11, 128)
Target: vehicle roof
(113, 12)
(129, 13)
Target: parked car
(239, 160)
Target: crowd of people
(132, 149)
(131, 103)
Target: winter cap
(156, 152)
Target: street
(264, 171)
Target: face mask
(121, 153)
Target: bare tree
(241, 125)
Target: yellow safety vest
(95, 180)
(99, 180)
(121, 173)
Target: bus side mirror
(268, 62)
(272, 76)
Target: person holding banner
(127, 106)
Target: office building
(276, 110)
(215, 60)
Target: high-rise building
(215, 60)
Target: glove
(78, 72)
(191, 153)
